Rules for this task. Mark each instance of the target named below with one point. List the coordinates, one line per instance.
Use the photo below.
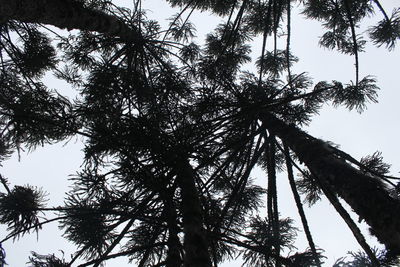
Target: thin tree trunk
(299, 205)
(195, 243)
(173, 256)
(67, 14)
(349, 221)
(366, 195)
(273, 214)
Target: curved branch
(68, 14)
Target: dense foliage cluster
(172, 130)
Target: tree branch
(68, 14)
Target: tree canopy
(172, 130)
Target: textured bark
(366, 195)
(67, 14)
(173, 255)
(195, 243)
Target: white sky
(358, 134)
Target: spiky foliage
(86, 226)
(387, 32)
(262, 237)
(20, 209)
(172, 130)
(360, 259)
(274, 63)
(374, 163)
(259, 249)
(309, 187)
(46, 261)
(357, 96)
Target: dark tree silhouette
(172, 131)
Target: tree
(172, 131)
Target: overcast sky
(358, 134)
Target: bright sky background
(358, 134)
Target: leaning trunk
(195, 243)
(67, 14)
(365, 194)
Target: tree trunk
(173, 255)
(299, 206)
(195, 242)
(68, 14)
(365, 194)
(273, 213)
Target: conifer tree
(172, 131)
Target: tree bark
(365, 194)
(195, 242)
(67, 14)
(173, 243)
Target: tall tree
(172, 131)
